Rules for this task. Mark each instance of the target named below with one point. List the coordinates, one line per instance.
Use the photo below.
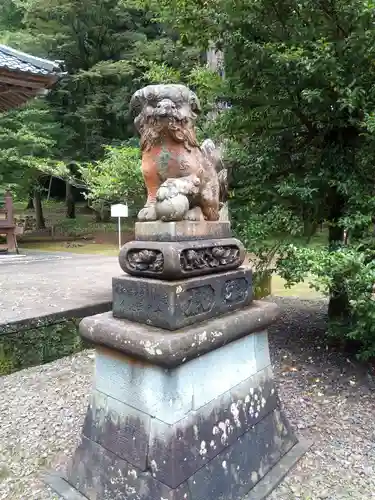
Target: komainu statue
(183, 179)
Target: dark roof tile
(15, 60)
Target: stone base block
(181, 231)
(208, 429)
(180, 259)
(172, 348)
(260, 491)
(96, 473)
(170, 395)
(176, 451)
(176, 304)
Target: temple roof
(23, 77)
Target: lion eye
(152, 99)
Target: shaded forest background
(298, 125)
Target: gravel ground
(328, 398)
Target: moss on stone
(36, 346)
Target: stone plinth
(175, 304)
(189, 415)
(180, 259)
(181, 231)
(170, 349)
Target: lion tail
(214, 155)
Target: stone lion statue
(183, 179)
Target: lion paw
(187, 186)
(147, 214)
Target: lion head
(165, 111)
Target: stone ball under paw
(172, 209)
(147, 214)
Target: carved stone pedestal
(181, 259)
(174, 304)
(184, 405)
(181, 231)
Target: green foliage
(263, 227)
(109, 48)
(299, 77)
(162, 73)
(29, 135)
(117, 177)
(264, 233)
(11, 26)
(38, 346)
(28, 138)
(349, 271)
(97, 41)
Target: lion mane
(165, 118)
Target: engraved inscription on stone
(197, 300)
(236, 290)
(146, 260)
(209, 257)
(140, 298)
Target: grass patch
(73, 247)
(318, 240)
(84, 224)
(301, 290)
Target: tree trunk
(338, 307)
(102, 212)
(70, 203)
(40, 222)
(309, 228)
(30, 202)
(105, 214)
(49, 187)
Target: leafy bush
(349, 270)
(116, 178)
(300, 83)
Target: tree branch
(331, 13)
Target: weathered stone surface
(181, 259)
(101, 475)
(119, 428)
(169, 349)
(169, 395)
(180, 450)
(37, 346)
(98, 474)
(205, 429)
(189, 414)
(175, 304)
(275, 476)
(61, 486)
(182, 230)
(148, 388)
(181, 177)
(232, 473)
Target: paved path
(36, 285)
